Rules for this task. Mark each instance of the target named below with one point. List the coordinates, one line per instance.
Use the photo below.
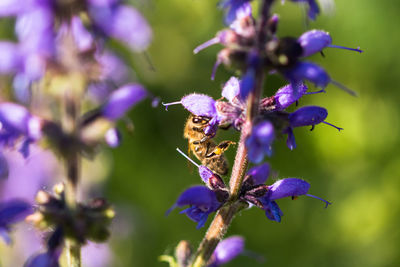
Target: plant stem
(72, 166)
(224, 216)
(214, 234)
(73, 248)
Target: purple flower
(201, 200)
(201, 105)
(289, 187)
(309, 115)
(308, 71)
(259, 143)
(123, 99)
(305, 116)
(255, 192)
(315, 40)
(227, 250)
(16, 122)
(289, 94)
(259, 174)
(12, 212)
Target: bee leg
(220, 148)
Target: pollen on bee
(295, 197)
(218, 151)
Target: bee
(203, 147)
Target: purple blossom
(255, 192)
(309, 115)
(227, 250)
(308, 71)
(11, 212)
(259, 143)
(289, 94)
(201, 200)
(305, 116)
(16, 122)
(315, 40)
(123, 99)
(259, 174)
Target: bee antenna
(188, 158)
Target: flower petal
(10, 59)
(228, 249)
(200, 105)
(309, 115)
(287, 95)
(198, 196)
(14, 211)
(308, 71)
(259, 173)
(314, 41)
(288, 187)
(122, 99)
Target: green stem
(214, 234)
(72, 166)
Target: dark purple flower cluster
(284, 55)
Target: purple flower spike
(12, 212)
(289, 187)
(314, 41)
(259, 174)
(310, 115)
(289, 94)
(309, 71)
(200, 105)
(122, 99)
(202, 202)
(227, 250)
(10, 59)
(260, 141)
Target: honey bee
(203, 147)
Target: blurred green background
(357, 169)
